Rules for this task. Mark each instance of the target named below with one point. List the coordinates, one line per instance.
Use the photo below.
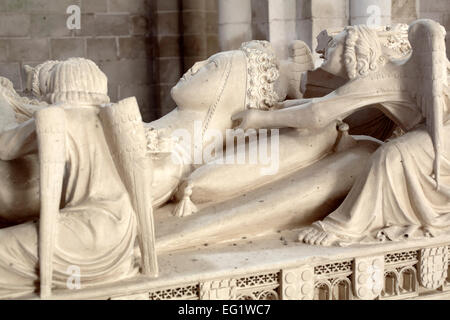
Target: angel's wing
(428, 63)
(291, 70)
(23, 108)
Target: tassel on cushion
(185, 207)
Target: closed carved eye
(197, 66)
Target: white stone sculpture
(259, 204)
(90, 213)
(402, 190)
(99, 183)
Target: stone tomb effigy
(349, 204)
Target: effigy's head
(75, 80)
(354, 52)
(247, 75)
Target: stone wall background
(183, 32)
(114, 33)
(144, 46)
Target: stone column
(167, 54)
(370, 12)
(260, 19)
(314, 16)
(282, 25)
(304, 22)
(235, 23)
(404, 11)
(193, 29)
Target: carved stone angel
(403, 191)
(95, 227)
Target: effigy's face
(334, 55)
(197, 89)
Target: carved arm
(18, 141)
(320, 112)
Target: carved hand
(251, 119)
(301, 116)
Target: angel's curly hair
(262, 73)
(363, 52)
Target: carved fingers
(249, 119)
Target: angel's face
(334, 55)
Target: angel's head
(353, 53)
(332, 53)
(75, 80)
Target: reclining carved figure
(317, 169)
(319, 161)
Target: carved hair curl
(262, 73)
(363, 53)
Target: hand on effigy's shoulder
(249, 119)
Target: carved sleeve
(18, 141)
(350, 98)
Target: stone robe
(395, 196)
(96, 228)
